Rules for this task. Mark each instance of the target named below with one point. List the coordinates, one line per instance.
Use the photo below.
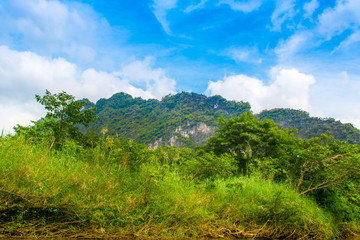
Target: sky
(300, 54)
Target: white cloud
(284, 10)
(193, 7)
(353, 38)
(155, 80)
(161, 8)
(46, 26)
(343, 18)
(290, 89)
(310, 7)
(244, 54)
(24, 74)
(336, 94)
(354, 121)
(246, 7)
(16, 113)
(334, 21)
(294, 44)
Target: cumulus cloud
(290, 89)
(16, 113)
(160, 10)
(24, 74)
(156, 81)
(284, 10)
(246, 7)
(337, 95)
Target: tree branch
(327, 183)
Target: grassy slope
(55, 194)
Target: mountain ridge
(181, 119)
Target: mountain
(309, 127)
(189, 119)
(184, 119)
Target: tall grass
(65, 196)
(270, 209)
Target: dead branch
(306, 168)
(327, 183)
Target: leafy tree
(323, 162)
(326, 169)
(247, 139)
(64, 114)
(313, 164)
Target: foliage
(157, 123)
(309, 127)
(208, 165)
(64, 114)
(146, 121)
(248, 139)
(62, 195)
(326, 169)
(251, 179)
(254, 200)
(320, 167)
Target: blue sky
(272, 53)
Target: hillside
(189, 119)
(184, 119)
(309, 127)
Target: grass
(56, 194)
(276, 209)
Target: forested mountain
(189, 119)
(309, 127)
(184, 119)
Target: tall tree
(247, 139)
(64, 114)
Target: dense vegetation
(309, 127)
(251, 179)
(147, 121)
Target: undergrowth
(56, 193)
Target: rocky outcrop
(182, 135)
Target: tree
(64, 114)
(323, 162)
(247, 139)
